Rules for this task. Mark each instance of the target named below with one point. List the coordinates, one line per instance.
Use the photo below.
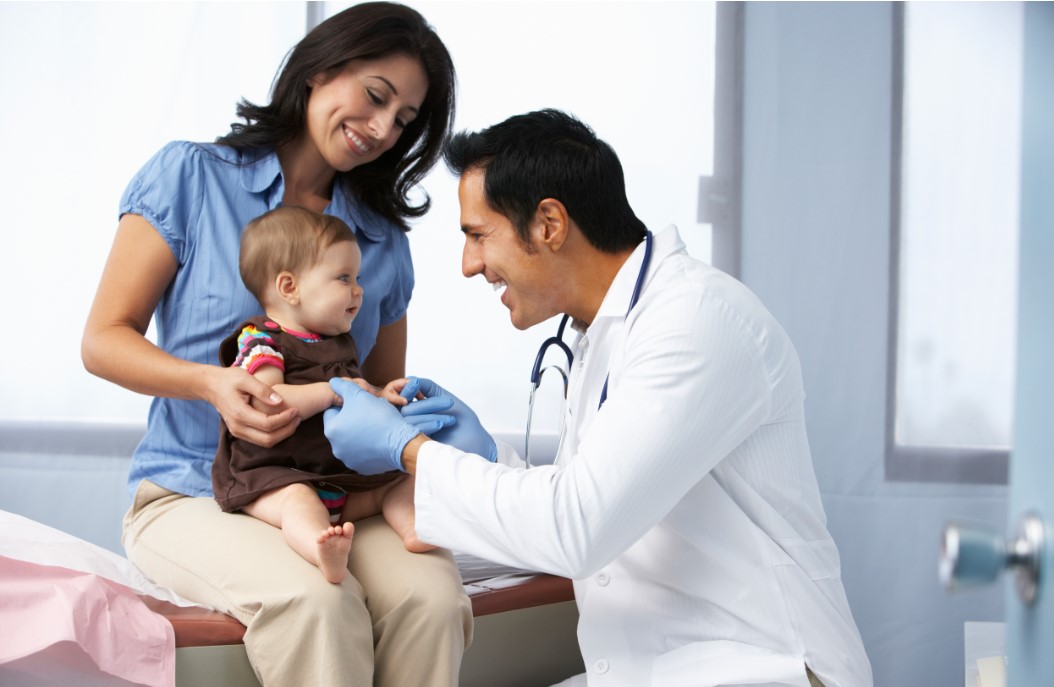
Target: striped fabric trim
(257, 348)
(333, 501)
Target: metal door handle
(970, 558)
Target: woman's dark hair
(369, 31)
(550, 154)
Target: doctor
(683, 502)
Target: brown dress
(243, 471)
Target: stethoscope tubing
(558, 340)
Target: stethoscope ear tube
(537, 370)
(558, 340)
(645, 263)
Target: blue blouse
(199, 197)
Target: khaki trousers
(399, 619)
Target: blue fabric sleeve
(168, 192)
(395, 302)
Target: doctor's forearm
(410, 451)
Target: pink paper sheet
(65, 626)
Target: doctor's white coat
(685, 510)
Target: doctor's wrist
(410, 451)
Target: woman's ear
(286, 286)
(552, 222)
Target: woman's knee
(446, 605)
(432, 608)
(320, 603)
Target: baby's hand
(391, 392)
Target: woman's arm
(139, 269)
(387, 360)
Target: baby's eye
(345, 278)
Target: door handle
(970, 558)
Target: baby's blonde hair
(286, 239)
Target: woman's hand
(252, 410)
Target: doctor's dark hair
(286, 239)
(550, 154)
(369, 31)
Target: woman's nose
(381, 126)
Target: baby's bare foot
(334, 545)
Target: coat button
(601, 666)
(603, 579)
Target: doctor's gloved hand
(367, 433)
(466, 433)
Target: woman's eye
(377, 100)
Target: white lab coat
(685, 510)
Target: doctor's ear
(553, 223)
(285, 285)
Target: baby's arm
(309, 399)
(389, 393)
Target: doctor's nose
(471, 265)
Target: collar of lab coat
(616, 300)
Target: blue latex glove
(367, 433)
(466, 433)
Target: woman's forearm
(387, 360)
(122, 355)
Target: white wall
(640, 74)
(816, 238)
(91, 91)
(94, 89)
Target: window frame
(720, 195)
(944, 464)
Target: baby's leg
(398, 508)
(396, 501)
(304, 521)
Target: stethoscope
(537, 371)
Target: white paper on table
(27, 540)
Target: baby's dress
(242, 471)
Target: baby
(302, 267)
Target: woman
(357, 117)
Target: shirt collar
(616, 300)
(259, 172)
(264, 174)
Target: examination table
(525, 623)
(524, 637)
